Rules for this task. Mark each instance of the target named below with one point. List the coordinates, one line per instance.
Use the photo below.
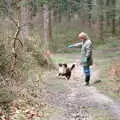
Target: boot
(87, 79)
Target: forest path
(73, 100)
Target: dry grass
(24, 82)
(115, 70)
(114, 76)
(25, 79)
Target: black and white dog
(64, 70)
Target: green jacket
(86, 52)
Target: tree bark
(108, 12)
(25, 19)
(100, 19)
(50, 24)
(89, 12)
(47, 25)
(113, 17)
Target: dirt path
(74, 101)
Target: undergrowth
(24, 81)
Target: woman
(86, 54)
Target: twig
(15, 37)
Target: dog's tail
(72, 66)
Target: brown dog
(64, 70)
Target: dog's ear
(60, 64)
(65, 65)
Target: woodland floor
(72, 100)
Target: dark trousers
(87, 74)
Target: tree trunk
(89, 2)
(33, 8)
(47, 34)
(108, 13)
(50, 24)
(47, 25)
(25, 19)
(69, 15)
(83, 15)
(113, 17)
(52, 17)
(59, 15)
(100, 19)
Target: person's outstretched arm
(75, 45)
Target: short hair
(83, 35)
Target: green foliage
(1, 3)
(69, 6)
(23, 3)
(63, 6)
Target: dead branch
(20, 42)
(15, 38)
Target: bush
(25, 79)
